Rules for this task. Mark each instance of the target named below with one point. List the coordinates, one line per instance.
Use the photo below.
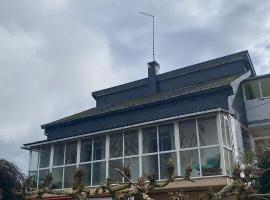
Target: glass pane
(99, 173)
(223, 129)
(69, 174)
(114, 175)
(208, 131)
(228, 133)
(227, 161)
(57, 174)
(45, 153)
(265, 84)
(131, 143)
(58, 155)
(187, 134)
(42, 175)
(99, 148)
(87, 173)
(149, 140)
(71, 153)
(133, 166)
(187, 158)
(34, 160)
(116, 145)
(210, 158)
(86, 150)
(150, 165)
(164, 158)
(166, 137)
(33, 175)
(252, 90)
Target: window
(133, 164)
(116, 145)
(150, 140)
(87, 173)
(58, 155)
(42, 176)
(131, 143)
(34, 160)
(86, 150)
(45, 153)
(68, 178)
(34, 176)
(210, 158)
(188, 134)
(57, 174)
(99, 173)
(71, 153)
(252, 90)
(166, 137)
(187, 158)
(99, 148)
(265, 86)
(114, 175)
(208, 131)
(164, 158)
(150, 165)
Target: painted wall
(257, 109)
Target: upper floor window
(256, 89)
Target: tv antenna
(153, 18)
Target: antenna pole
(153, 18)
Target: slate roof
(225, 81)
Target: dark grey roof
(147, 100)
(243, 55)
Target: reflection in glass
(207, 131)
(265, 84)
(34, 160)
(71, 153)
(133, 166)
(57, 174)
(45, 153)
(99, 173)
(42, 175)
(210, 158)
(150, 165)
(99, 148)
(149, 139)
(164, 158)
(227, 161)
(87, 173)
(166, 137)
(58, 155)
(187, 158)
(187, 134)
(131, 143)
(33, 175)
(86, 150)
(114, 175)
(252, 90)
(68, 178)
(116, 145)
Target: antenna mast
(153, 18)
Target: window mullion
(221, 142)
(51, 158)
(199, 151)
(157, 129)
(107, 154)
(78, 153)
(177, 147)
(260, 89)
(63, 171)
(140, 151)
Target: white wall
(258, 109)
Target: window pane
(187, 158)
(87, 173)
(57, 174)
(164, 158)
(150, 165)
(86, 150)
(228, 133)
(34, 160)
(99, 148)
(265, 84)
(114, 175)
(166, 137)
(252, 90)
(187, 134)
(227, 161)
(45, 153)
(68, 178)
(33, 175)
(131, 143)
(208, 131)
(116, 145)
(71, 153)
(133, 166)
(223, 129)
(58, 155)
(210, 158)
(42, 175)
(99, 173)
(149, 140)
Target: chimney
(153, 71)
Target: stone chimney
(153, 71)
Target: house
(207, 114)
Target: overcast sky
(54, 53)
